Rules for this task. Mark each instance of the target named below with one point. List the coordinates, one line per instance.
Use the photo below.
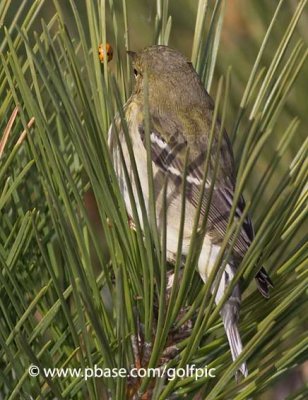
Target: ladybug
(101, 52)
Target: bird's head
(169, 75)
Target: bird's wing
(169, 144)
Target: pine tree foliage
(78, 291)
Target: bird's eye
(135, 72)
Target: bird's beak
(132, 54)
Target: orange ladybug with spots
(107, 51)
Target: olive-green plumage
(180, 119)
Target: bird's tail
(234, 339)
(230, 314)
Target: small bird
(180, 118)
